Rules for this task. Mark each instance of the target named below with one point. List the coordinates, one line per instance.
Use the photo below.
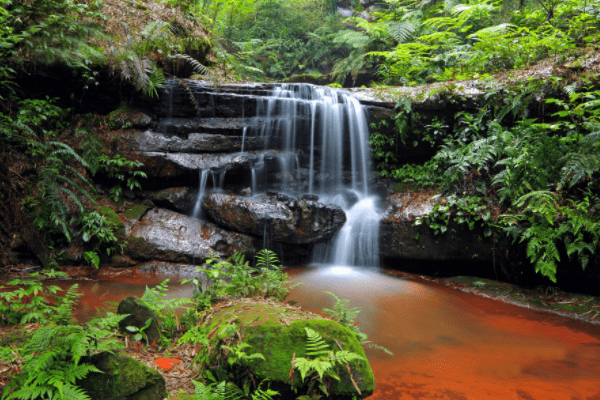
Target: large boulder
(400, 238)
(168, 236)
(123, 378)
(294, 221)
(138, 315)
(277, 331)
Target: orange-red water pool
(447, 345)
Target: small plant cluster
(235, 277)
(52, 359)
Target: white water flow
(326, 129)
(204, 174)
(244, 136)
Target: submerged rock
(400, 238)
(123, 378)
(168, 236)
(295, 222)
(277, 331)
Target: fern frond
(316, 346)
(401, 31)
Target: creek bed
(447, 344)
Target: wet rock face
(186, 165)
(165, 235)
(177, 198)
(149, 141)
(293, 221)
(398, 233)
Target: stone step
(149, 141)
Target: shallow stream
(447, 344)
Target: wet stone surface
(168, 236)
(194, 143)
(292, 221)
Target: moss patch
(123, 378)
(113, 218)
(136, 212)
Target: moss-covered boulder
(123, 378)
(277, 331)
(139, 314)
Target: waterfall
(204, 174)
(244, 137)
(330, 127)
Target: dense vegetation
(51, 361)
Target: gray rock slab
(294, 222)
(169, 236)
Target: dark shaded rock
(168, 236)
(139, 120)
(121, 261)
(178, 198)
(398, 235)
(294, 222)
(139, 314)
(309, 197)
(123, 378)
(195, 143)
(148, 202)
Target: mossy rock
(315, 79)
(114, 219)
(139, 314)
(136, 212)
(277, 331)
(123, 378)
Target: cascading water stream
(204, 174)
(338, 148)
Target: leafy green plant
(317, 369)
(234, 277)
(52, 360)
(167, 310)
(96, 228)
(140, 332)
(120, 169)
(31, 300)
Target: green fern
(320, 367)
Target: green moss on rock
(136, 212)
(123, 378)
(277, 332)
(113, 218)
